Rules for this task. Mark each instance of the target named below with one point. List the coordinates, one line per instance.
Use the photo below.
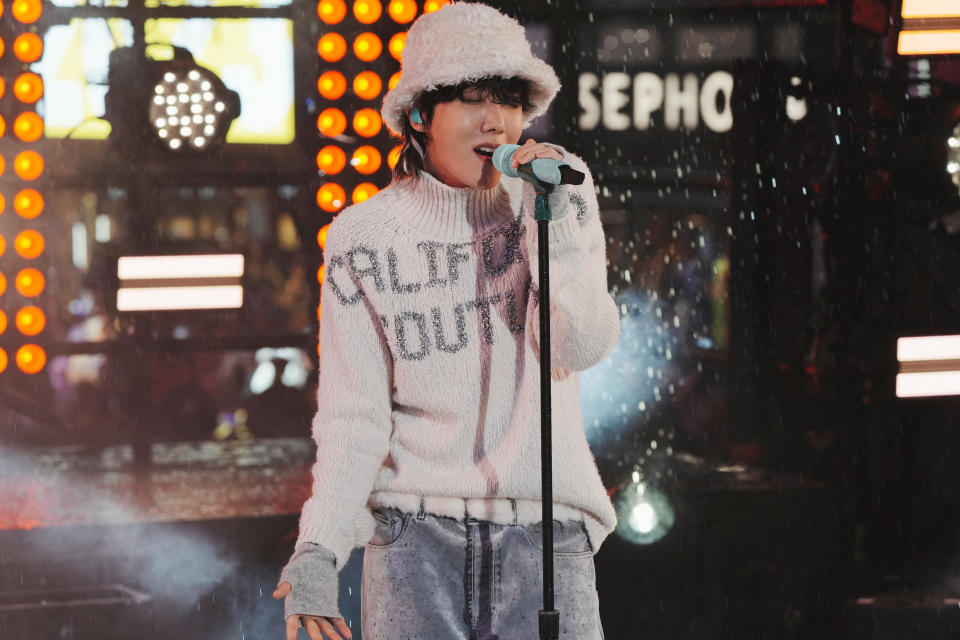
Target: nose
(493, 120)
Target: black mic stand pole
(549, 618)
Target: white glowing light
(643, 518)
(928, 348)
(228, 265)
(174, 298)
(930, 383)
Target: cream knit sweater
(429, 357)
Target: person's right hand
(318, 628)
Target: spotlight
(644, 514)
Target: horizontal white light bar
(177, 298)
(932, 42)
(928, 348)
(932, 383)
(930, 9)
(196, 266)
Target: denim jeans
(428, 577)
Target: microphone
(544, 170)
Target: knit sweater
(429, 357)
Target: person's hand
(318, 628)
(532, 149)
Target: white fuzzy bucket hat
(466, 41)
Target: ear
(422, 128)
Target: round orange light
(3, 283)
(3, 165)
(27, 11)
(393, 157)
(367, 11)
(394, 79)
(3, 360)
(366, 159)
(367, 122)
(28, 165)
(28, 203)
(332, 47)
(331, 159)
(28, 126)
(30, 283)
(432, 5)
(28, 87)
(364, 191)
(367, 85)
(332, 85)
(3, 203)
(3, 85)
(322, 237)
(28, 47)
(332, 122)
(402, 11)
(29, 244)
(320, 273)
(331, 11)
(3, 245)
(3, 46)
(331, 197)
(31, 358)
(3, 322)
(367, 47)
(397, 42)
(31, 321)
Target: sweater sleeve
(584, 320)
(352, 425)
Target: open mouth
(486, 152)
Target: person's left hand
(532, 149)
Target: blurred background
(779, 182)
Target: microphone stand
(549, 617)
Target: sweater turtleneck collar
(453, 213)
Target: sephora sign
(618, 101)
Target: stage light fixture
(366, 159)
(367, 85)
(28, 165)
(332, 85)
(402, 11)
(28, 203)
(929, 366)
(332, 122)
(30, 282)
(930, 9)
(953, 155)
(3, 245)
(3, 126)
(332, 47)
(28, 88)
(331, 159)
(30, 321)
(31, 358)
(396, 45)
(27, 11)
(3, 283)
(393, 157)
(332, 11)
(180, 282)
(367, 47)
(331, 197)
(394, 79)
(433, 5)
(367, 122)
(322, 235)
(3, 360)
(28, 47)
(3, 322)
(192, 108)
(367, 11)
(29, 244)
(364, 191)
(644, 514)
(28, 126)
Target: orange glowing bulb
(367, 122)
(28, 203)
(367, 85)
(3, 85)
(3, 165)
(3, 360)
(364, 191)
(332, 85)
(394, 79)
(322, 236)
(28, 87)
(397, 42)
(402, 11)
(28, 165)
(331, 11)
(31, 321)
(331, 197)
(332, 47)
(31, 358)
(3, 322)
(30, 283)
(331, 122)
(3, 245)
(27, 11)
(432, 5)
(3, 47)
(28, 47)
(320, 273)
(3, 203)
(3, 283)
(367, 11)
(331, 159)
(367, 47)
(29, 244)
(393, 157)
(28, 126)
(366, 159)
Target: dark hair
(503, 91)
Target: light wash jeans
(428, 577)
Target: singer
(428, 419)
